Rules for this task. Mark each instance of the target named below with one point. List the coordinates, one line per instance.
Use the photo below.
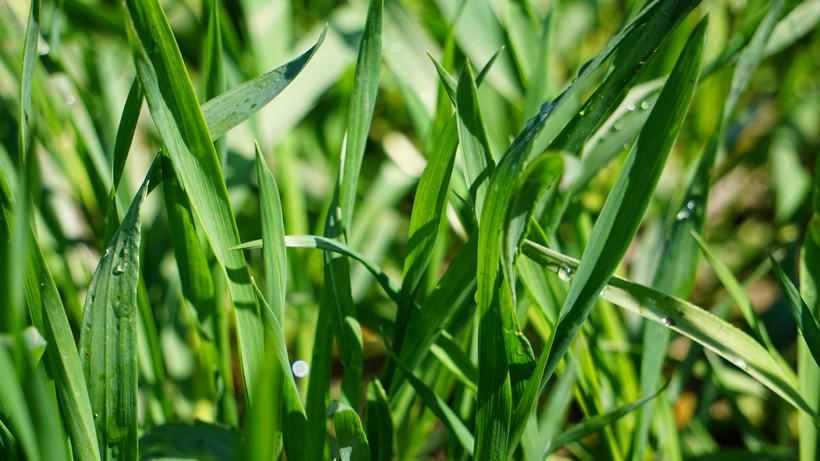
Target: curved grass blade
(620, 217)
(691, 321)
(595, 424)
(352, 440)
(108, 339)
(182, 127)
(236, 105)
(803, 317)
(378, 422)
(807, 371)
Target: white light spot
(300, 368)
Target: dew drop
(119, 269)
(742, 364)
(690, 204)
(630, 107)
(618, 126)
(565, 273)
(300, 368)
(668, 321)
(70, 99)
(582, 113)
(644, 105)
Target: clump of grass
(516, 250)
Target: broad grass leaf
(108, 339)
(186, 138)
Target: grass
(492, 230)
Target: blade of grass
(352, 440)
(234, 106)
(803, 317)
(185, 135)
(595, 424)
(741, 300)
(691, 321)
(620, 217)
(108, 337)
(472, 135)
(378, 422)
(807, 372)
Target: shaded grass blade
(807, 370)
(108, 340)
(691, 321)
(186, 138)
(595, 424)
(378, 422)
(472, 134)
(621, 215)
(803, 317)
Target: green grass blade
(125, 131)
(622, 213)
(236, 105)
(807, 371)
(363, 101)
(353, 445)
(61, 357)
(595, 424)
(200, 440)
(186, 138)
(472, 134)
(108, 340)
(800, 21)
(740, 299)
(693, 322)
(379, 423)
(803, 317)
(439, 407)
(13, 404)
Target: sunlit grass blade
(691, 321)
(378, 422)
(185, 135)
(740, 299)
(352, 441)
(275, 262)
(800, 21)
(234, 106)
(108, 340)
(621, 215)
(594, 424)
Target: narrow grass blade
(353, 445)
(807, 371)
(379, 423)
(61, 357)
(803, 317)
(693, 322)
(125, 132)
(594, 424)
(108, 340)
(472, 134)
(182, 127)
(275, 261)
(363, 101)
(13, 404)
(800, 21)
(192, 263)
(236, 105)
(741, 300)
(621, 215)
(439, 407)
